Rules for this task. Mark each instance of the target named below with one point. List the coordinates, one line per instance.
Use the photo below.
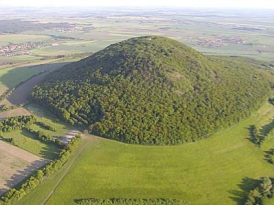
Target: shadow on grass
(267, 128)
(41, 112)
(269, 156)
(250, 133)
(21, 93)
(18, 178)
(17, 75)
(247, 184)
(51, 151)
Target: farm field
(15, 168)
(13, 113)
(21, 38)
(21, 94)
(26, 141)
(12, 76)
(223, 32)
(218, 170)
(16, 164)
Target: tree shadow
(51, 151)
(29, 77)
(10, 79)
(247, 184)
(267, 128)
(19, 177)
(39, 111)
(250, 133)
(268, 156)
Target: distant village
(64, 29)
(19, 49)
(217, 42)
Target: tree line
(46, 126)
(121, 201)
(16, 123)
(15, 194)
(41, 136)
(262, 194)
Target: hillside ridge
(153, 90)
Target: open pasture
(218, 170)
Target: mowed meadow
(218, 170)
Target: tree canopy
(153, 90)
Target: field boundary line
(65, 173)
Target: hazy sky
(141, 3)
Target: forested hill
(153, 90)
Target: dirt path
(69, 135)
(71, 163)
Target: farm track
(71, 163)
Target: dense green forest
(16, 123)
(153, 90)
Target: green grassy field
(219, 170)
(21, 38)
(10, 77)
(50, 119)
(26, 141)
(18, 59)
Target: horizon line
(141, 7)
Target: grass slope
(218, 170)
